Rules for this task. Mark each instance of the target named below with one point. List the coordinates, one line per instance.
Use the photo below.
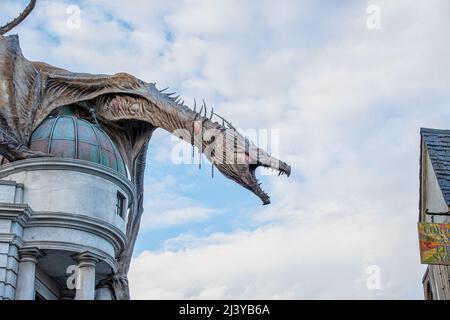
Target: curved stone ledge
(79, 222)
(71, 165)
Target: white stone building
(63, 218)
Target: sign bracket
(447, 214)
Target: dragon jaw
(255, 187)
(244, 172)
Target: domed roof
(74, 138)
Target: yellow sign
(434, 240)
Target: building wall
(12, 218)
(61, 207)
(437, 277)
(435, 201)
(71, 192)
(9, 261)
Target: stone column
(86, 276)
(26, 276)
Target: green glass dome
(74, 138)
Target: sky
(347, 85)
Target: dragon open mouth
(282, 168)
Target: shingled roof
(437, 143)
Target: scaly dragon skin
(128, 109)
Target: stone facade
(62, 228)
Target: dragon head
(237, 158)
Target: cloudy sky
(347, 84)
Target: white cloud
(165, 207)
(307, 258)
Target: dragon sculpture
(129, 110)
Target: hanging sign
(434, 240)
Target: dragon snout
(284, 168)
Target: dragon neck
(184, 123)
(161, 111)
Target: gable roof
(437, 143)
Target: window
(120, 206)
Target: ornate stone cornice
(20, 213)
(88, 259)
(30, 254)
(11, 239)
